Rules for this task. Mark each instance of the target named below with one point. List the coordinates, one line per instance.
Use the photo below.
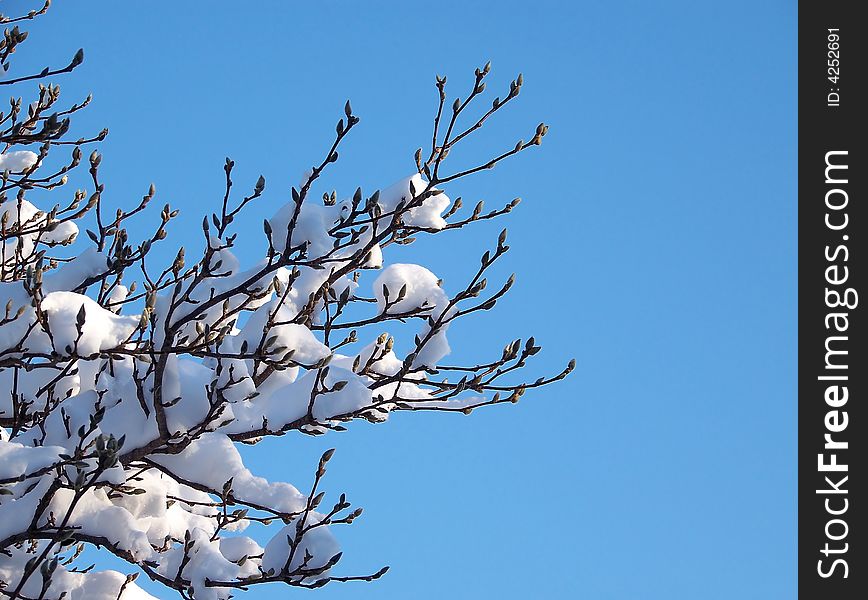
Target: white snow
(102, 329)
(426, 215)
(422, 291)
(67, 355)
(317, 540)
(213, 459)
(17, 161)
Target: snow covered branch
(125, 387)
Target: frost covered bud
(179, 261)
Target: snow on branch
(127, 387)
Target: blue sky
(656, 244)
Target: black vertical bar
(833, 562)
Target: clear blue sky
(656, 244)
